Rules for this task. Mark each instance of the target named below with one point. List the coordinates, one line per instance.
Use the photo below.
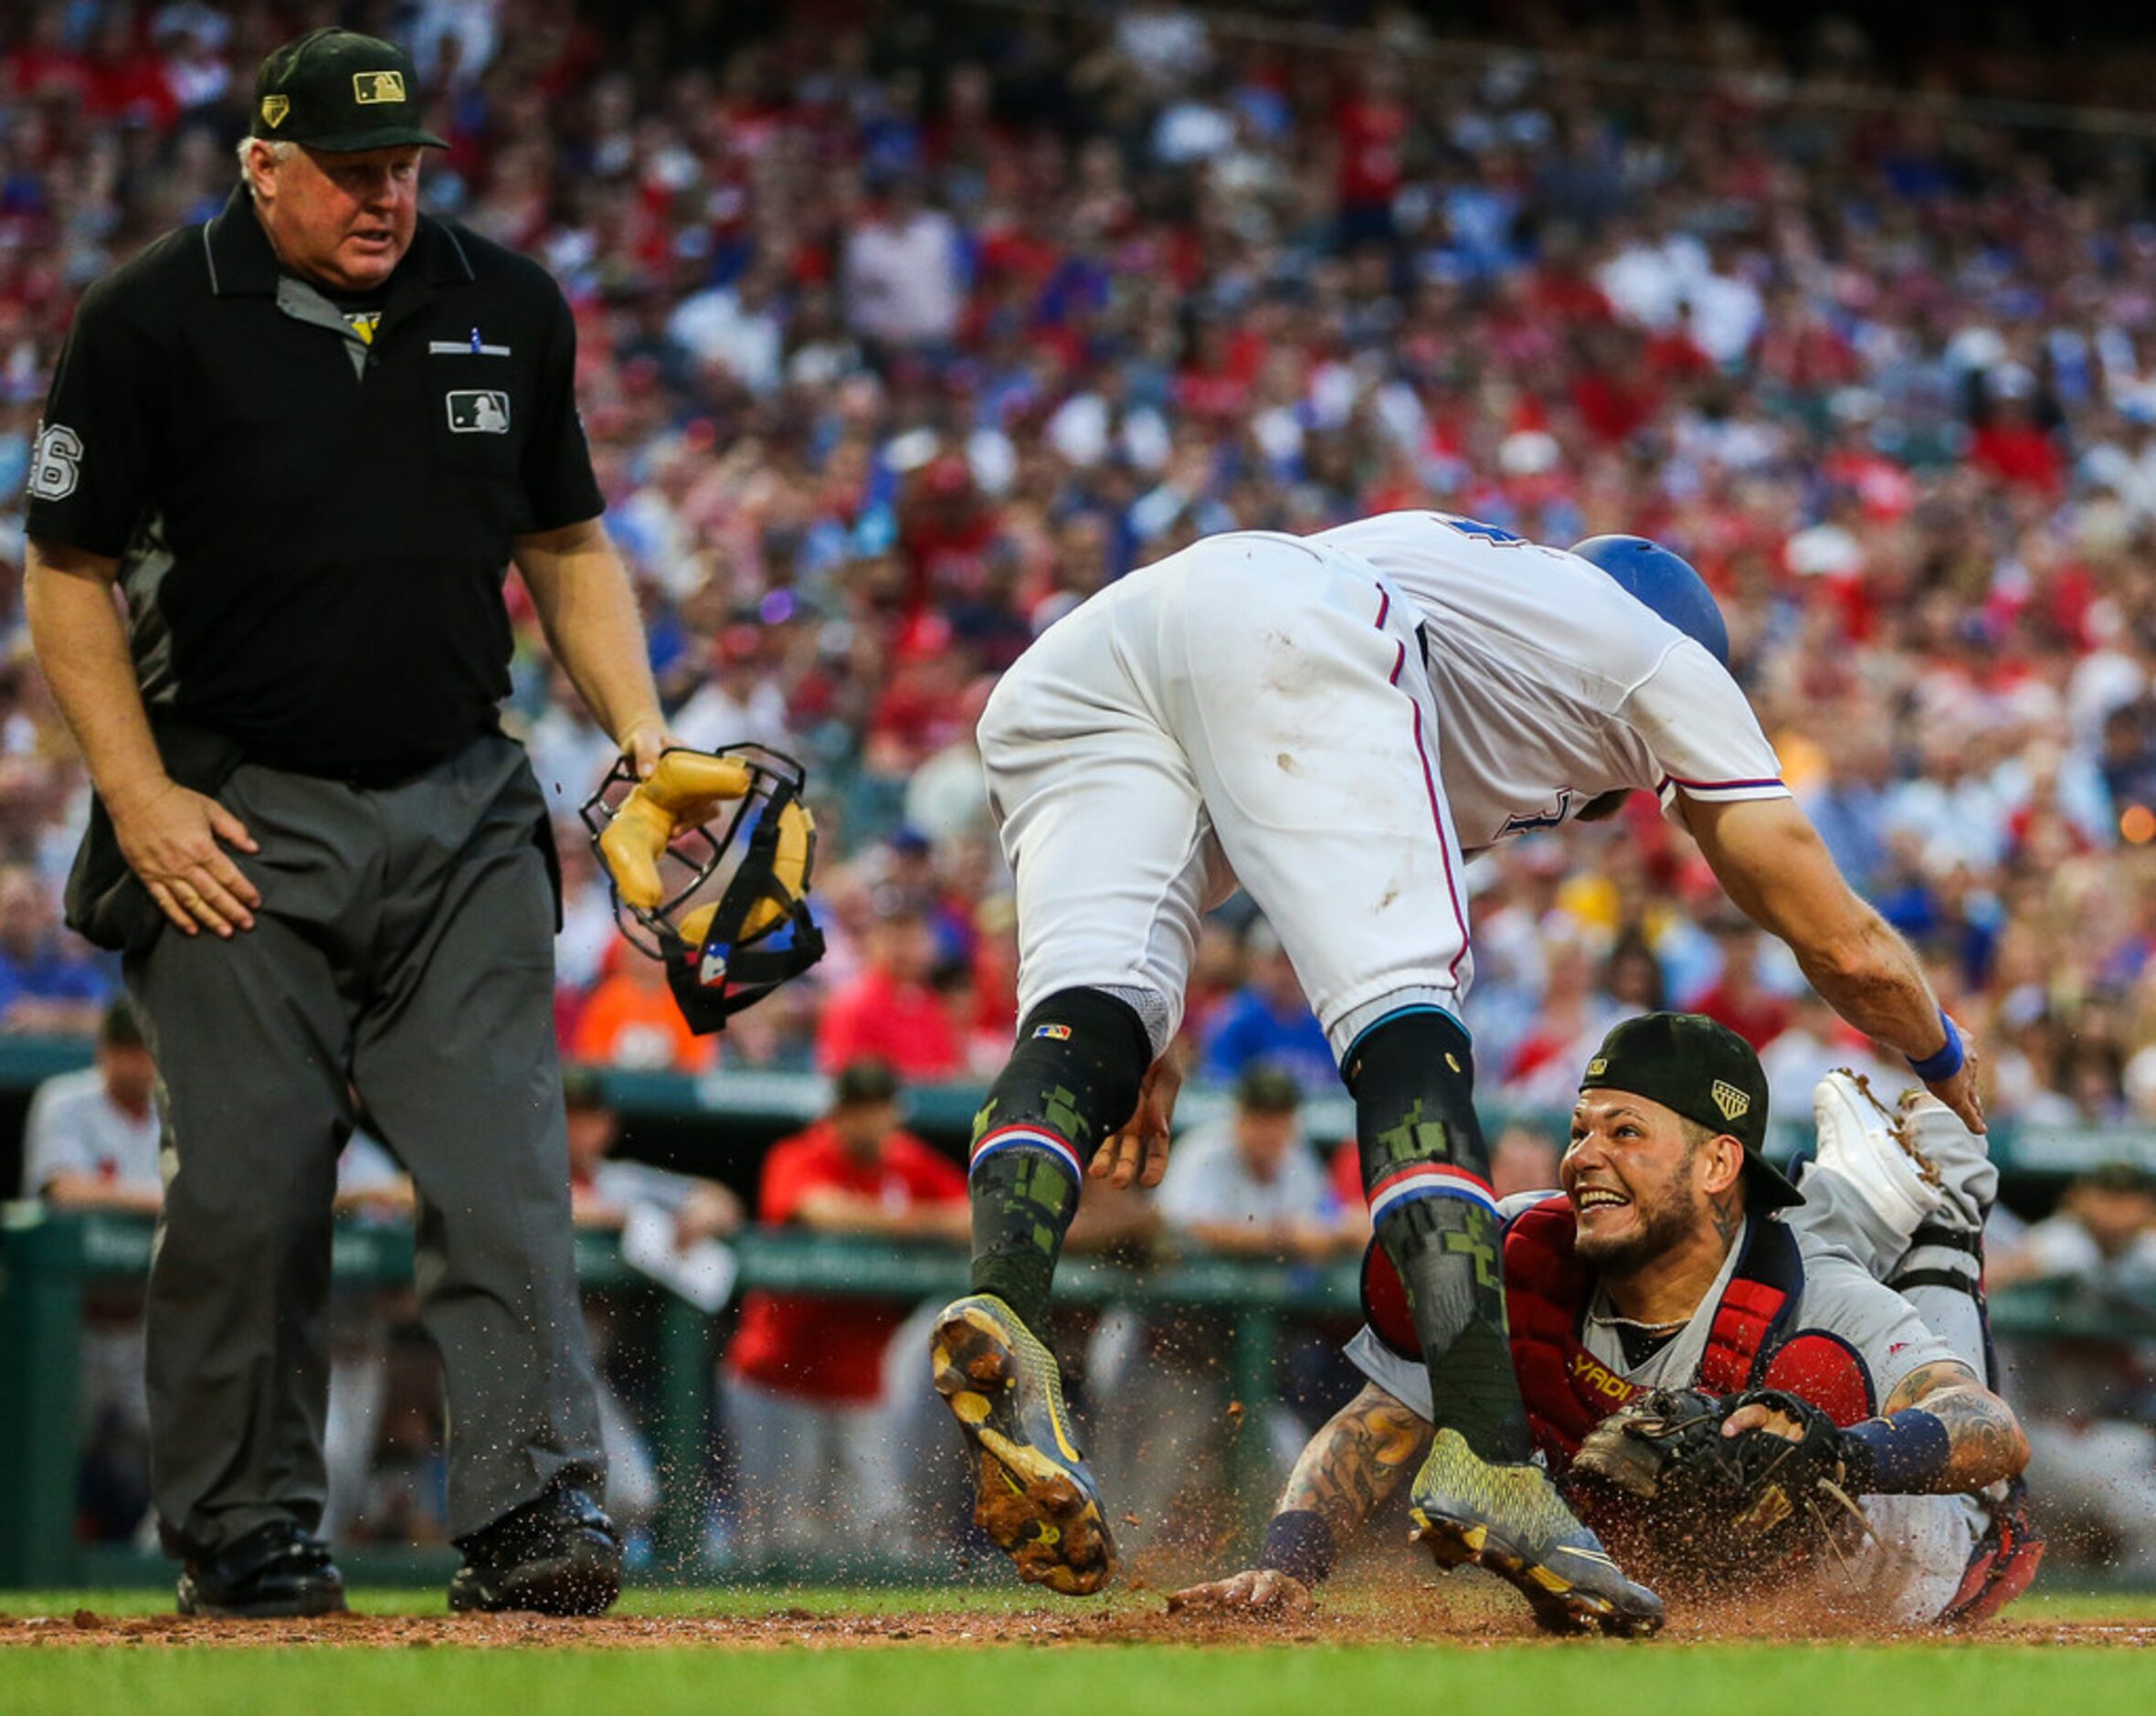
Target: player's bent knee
(1413, 1077)
(1080, 1060)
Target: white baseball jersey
(1552, 683)
(1327, 720)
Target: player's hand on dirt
(1960, 1093)
(1258, 1590)
(174, 840)
(1137, 1154)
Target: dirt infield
(1421, 1617)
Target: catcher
(1720, 1369)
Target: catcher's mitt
(1723, 1506)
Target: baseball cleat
(1877, 1149)
(1511, 1520)
(1033, 1496)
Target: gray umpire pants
(404, 947)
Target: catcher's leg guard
(1905, 1192)
(2005, 1563)
(1426, 1167)
(1941, 1274)
(1081, 1058)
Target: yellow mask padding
(644, 825)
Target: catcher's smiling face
(1643, 1180)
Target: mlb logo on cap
(341, 91)
(479, 411)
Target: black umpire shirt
(312, 503)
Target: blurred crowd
(905, 328)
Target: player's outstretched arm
(1985, 1438)
(1349, 1469)
(1770, 861)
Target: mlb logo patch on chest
(479, 411)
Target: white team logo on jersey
(56, 463)
(479, 411)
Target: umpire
(307, 438)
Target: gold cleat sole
(1029, 1503)
(1560, 1606)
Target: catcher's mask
(708, 861)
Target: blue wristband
(1947, 1062)
(1906, 1455)
(1299, 1544)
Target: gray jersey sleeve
(1883, 1327)
(1404, 1379)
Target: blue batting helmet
(1666, 583)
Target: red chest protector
(1569, 1390)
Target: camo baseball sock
(1073, 1079)
(1425, 1169)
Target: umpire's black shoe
(275, 1570)
(557, 1555)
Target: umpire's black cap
(339, 90)
(1705, 1072)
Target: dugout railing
(719, 1123)
(51, 1263)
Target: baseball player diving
(1716, 1365)
(1332, 721)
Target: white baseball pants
(1248, 710)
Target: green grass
(1756, 1680)
(1752, 1680)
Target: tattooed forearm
(1986, 1436)
(1356, 1461)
